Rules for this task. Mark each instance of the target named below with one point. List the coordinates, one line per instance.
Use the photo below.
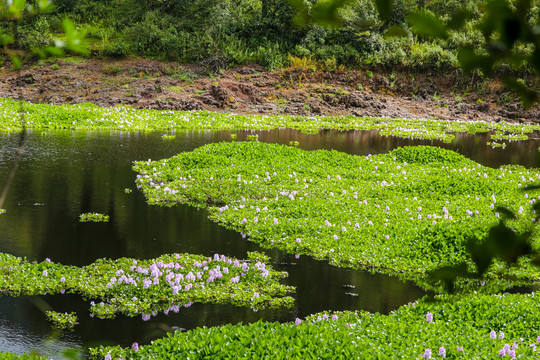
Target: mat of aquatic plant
(410, 210)
(472, 327)
(89, 116)
(146, 287)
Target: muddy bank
(143, 83)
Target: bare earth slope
(143, 83)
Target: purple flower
(45, 273)
(334, 317)
(429, 317)
(493, 334)
(146, 317)
(275, 221)
(108, 357)
(442, 351)
(501, 335)
(135, 346)
(63, 279)
(460, 348)
(62, 291)
(427, 354)
(297, 321)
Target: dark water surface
(64, 174)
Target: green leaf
(470, 61)
(459, 18)
(385, 8)
(428, 25)
(527, 95)
(396, 31)
(16, 61)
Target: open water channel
(63, 174)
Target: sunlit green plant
(62, 320)
(144, 287)
(408, 211)
(93, 217)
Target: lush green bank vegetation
(473, 327)
(88, 116)
(226, 33)
(146, 287)
(410, 210)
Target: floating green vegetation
(89, 116)
(2, 211)
(11, 356)
(410, 210)
(496, 144)
(168, 137)
(62, 320)
(499, 135)
(128, 190)
(93, 217)
(146, 287)
(471, 327)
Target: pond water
(63, 174)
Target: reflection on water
(64, 174)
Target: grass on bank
(89, 117)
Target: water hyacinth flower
(493, 334)
(429, 317)
(442, 351)
(45, 273)
(427, 354)
(135, 346)
(298, 321)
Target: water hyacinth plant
(145, 287)
(62, 320)
(89, 116)
(461, 328)
(2, 211)
(93, 217)
(410, 210)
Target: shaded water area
(63, 174)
